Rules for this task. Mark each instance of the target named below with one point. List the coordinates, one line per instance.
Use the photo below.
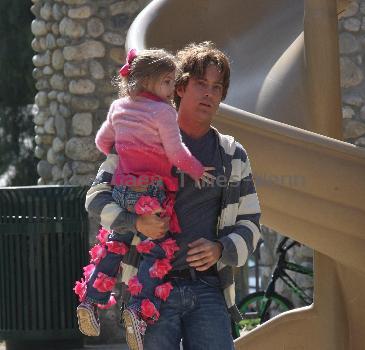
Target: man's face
(201, 96)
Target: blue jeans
(126, 198)
(109, 265)
(195, 312)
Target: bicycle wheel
(252, 307)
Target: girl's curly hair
(146, 66)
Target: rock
(84, 103)
(353, 100)
(42, 84)
(108, 101)
(81, 180)
(105, 88)
(348, 43)
(49, 127)
(57, 59)
(102, 12)
(57, 82)
(96, 70)
(47, 139)
(41, 60)
(80, 12)
(39, 152)
(119, 23)
(36, 9)
(39, 130)
(66, 171)
(42, 43)
(50, 41)
(67, 98)
(347, 112)
(352, 24)
(34, 110)
(65, 111)
(38, 139)
(40, 182)
(52, 95)
(82, 148)
(56, 173)
(82, 168)
(128, 7)
(39, 27)
(61, 42)
(117, 8)
(353, 129)
(75, 69)
(95, 27)
(51, 157)
(37, 73)
(89, 49)
(60, 125)
(55, 29)
(57, 12)
(36, 45)
(362, 113)
(71, 28)
(74, 2)
(351, 9)
(41, 99)
(82, 124)
(351, 74)
(48, 70)
(114, 38)
(46, 11)
(117, 55)
(362, 8)
(40, 118)
(360, 142)
(53, 108)
(81, 87)
(58, 145)
(44, 170)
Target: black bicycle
(257, 308)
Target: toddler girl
(142, 125)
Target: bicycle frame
(280, 273)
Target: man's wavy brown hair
(193, 60)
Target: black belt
(192, 274)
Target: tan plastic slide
(284, 97)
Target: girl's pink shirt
(147, 139)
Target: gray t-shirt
(198, 209)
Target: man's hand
(203, 254)
(152, 226)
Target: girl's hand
(206, 177)
(152, 226)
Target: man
(219, 222)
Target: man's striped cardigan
(238, 227)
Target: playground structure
(284, 106)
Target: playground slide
(311, 187)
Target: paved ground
(91, 347)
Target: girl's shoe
(135, 329)
(87, 316)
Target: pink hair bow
(132, 54)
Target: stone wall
(352, 56)
(79, 46)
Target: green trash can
(43, 246)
